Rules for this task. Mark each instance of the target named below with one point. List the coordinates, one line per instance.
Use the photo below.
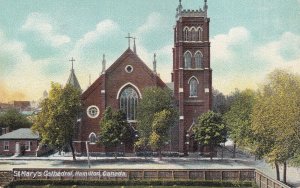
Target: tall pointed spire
(154, 63)
(72, 80)
(134, 47)
(103, 65)
(205, 7)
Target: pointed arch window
(128, 103)
(198, 60)
(187, 60)
(92, 138)
(186, 34)
(193, 87)
(199, 34)
(194, 34)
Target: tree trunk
(211, 152)
(234, 150)
(277, 171)
(284, 172)
(159, 154)
(72, 149)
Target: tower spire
(103, 64)
(72, 60)
(72, 80)
(179, 9)
(205, 7)
(154, 63)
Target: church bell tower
(192, 75)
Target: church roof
(73, 80)
(126, 54)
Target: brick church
(121, 85)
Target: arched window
(194, 34)
(186, 34)
(128, 102)
(193, 87)
(92, 138)
(198, 60)
(187, 60)
(199, 34)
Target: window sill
(193, 96)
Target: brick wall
(12, 147)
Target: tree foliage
(114, 128)
(13, 119)
(57, 120)
(161, 124)
(276, 115)
(210, 130)
(238, 118)
(154, 100)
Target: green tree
(57, 120)
(162, 122)
(219, 102)
(276, 114)
(13, 119)
(210, 130)
(114, 129)
(154, 100)
(238, 118)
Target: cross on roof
(129, 37)
(72, 60)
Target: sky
(249, 39)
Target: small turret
(103, 65)
(154, 63)
(205, 7)
(134, 47)
(179, 9)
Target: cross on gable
(128, 37)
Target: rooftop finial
(103, 64)
(205, 7)
(179, 9)
(134, 47)
(154, 63)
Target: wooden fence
(128, 174)
(265, 181)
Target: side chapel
(121, 85)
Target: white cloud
(103, 28)
(283, 53)
(154, 20)
(38, 23)
(220, 44)
(27, 77)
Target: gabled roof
(127, 53)
(20, 134)
(73, 80)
